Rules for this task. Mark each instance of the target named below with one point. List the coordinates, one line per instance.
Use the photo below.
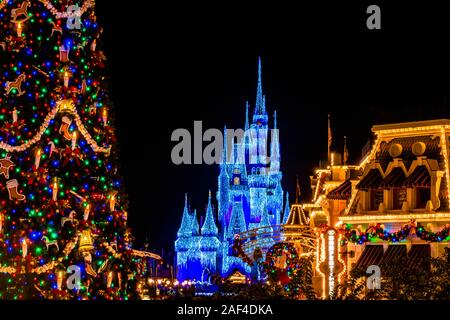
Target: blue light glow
(250, 195)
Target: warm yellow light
(19, 30)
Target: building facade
(393, 205)
(249, 196)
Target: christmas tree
(63, 219)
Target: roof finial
(209, 195)
(225, 149)
(185, 200)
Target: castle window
(399, 195)
(422, 196)
(376, 197)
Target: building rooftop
(411, 125)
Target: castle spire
(246, 116)
(260, 107)
(185, 228)
(209, 227)
(287, 209)
(275, 148)
(194, 225)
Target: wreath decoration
(282, 261)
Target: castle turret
(183, 243)
(185, 227)
(209, 243)
(275, 149)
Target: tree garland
(46, 267)
(61, 106)
(376, 231)
(62, 15)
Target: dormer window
(376, 197)
(399, 196)
(423, 194)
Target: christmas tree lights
(62, 203)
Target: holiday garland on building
(376, 232)
(62, 202)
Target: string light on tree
(74, 140)
(37, 159)
(66, 79)
(14, 115)
(105, 116)
(19, 30)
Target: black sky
(172, 64)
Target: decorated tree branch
(61, 193)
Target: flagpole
(329, 139)
(297, 192)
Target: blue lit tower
(275, 201)
(258, 178)
(249, 195)
(209, 243)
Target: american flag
(330, 136)
(298, 192)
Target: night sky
(173, 64)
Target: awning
(419, 178)
(394, 254)
(372, 254)
(343, 192)
(419, 254)
(395, 179)
(371, 180)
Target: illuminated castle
(249, 196)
